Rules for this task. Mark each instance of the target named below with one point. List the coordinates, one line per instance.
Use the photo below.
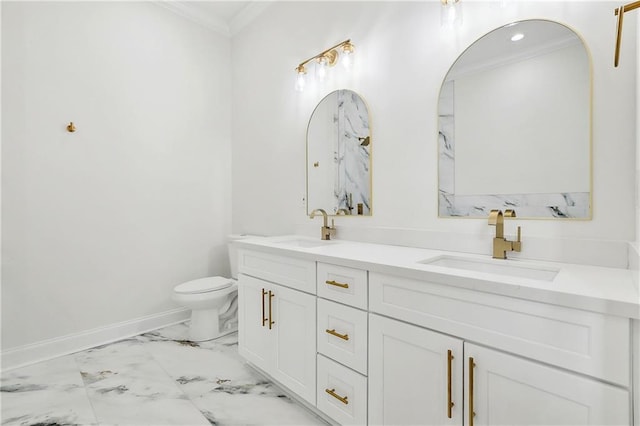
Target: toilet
(213, 301)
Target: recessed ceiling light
(517, 37)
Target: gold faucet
(345, 212)
(501, 245)
(327, 231)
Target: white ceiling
(224, 17)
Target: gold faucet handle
(517, 244)
(509, 213)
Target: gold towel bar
(620, 11)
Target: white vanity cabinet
(415, 375)
(409, 373)
(383, 346)
(503, 389)
(277, 324)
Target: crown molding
(250, 12)
(195, 15)
(191, 12)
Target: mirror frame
(556, 205)
(370, 146)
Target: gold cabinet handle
(337, 284)
(334, 333)
(264, 319)
(333, 393)
(471, 412)
(450, 403)
(271, 322)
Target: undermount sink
(303, 243)
(494, 266)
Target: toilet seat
(203, 285)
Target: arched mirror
(514, 118)
(339, 155)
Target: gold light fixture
(620, 11)
(324, 60)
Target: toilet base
(205, 325)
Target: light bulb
(321, 69)
(347, 61)
(300, 78)
(451, 13)
(347, 56)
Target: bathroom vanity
(377, 334)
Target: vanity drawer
(342, 334)
(342, 284)
(342, 393)
(299, 274)
(587, 342)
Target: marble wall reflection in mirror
(339, 155)
(515, 125)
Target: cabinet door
(505, 389)
(294, 316)
(255, 342)
(412, 379)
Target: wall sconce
(451, 13)
(322, 61)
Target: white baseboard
(51, 348)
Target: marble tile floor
(157, 378)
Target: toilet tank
(233, 252)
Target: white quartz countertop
(610, 291)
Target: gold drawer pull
(333, 393)
(334, 333)
(337, 284)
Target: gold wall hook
(71, 127)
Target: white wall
(99, 225)
(402, 55)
